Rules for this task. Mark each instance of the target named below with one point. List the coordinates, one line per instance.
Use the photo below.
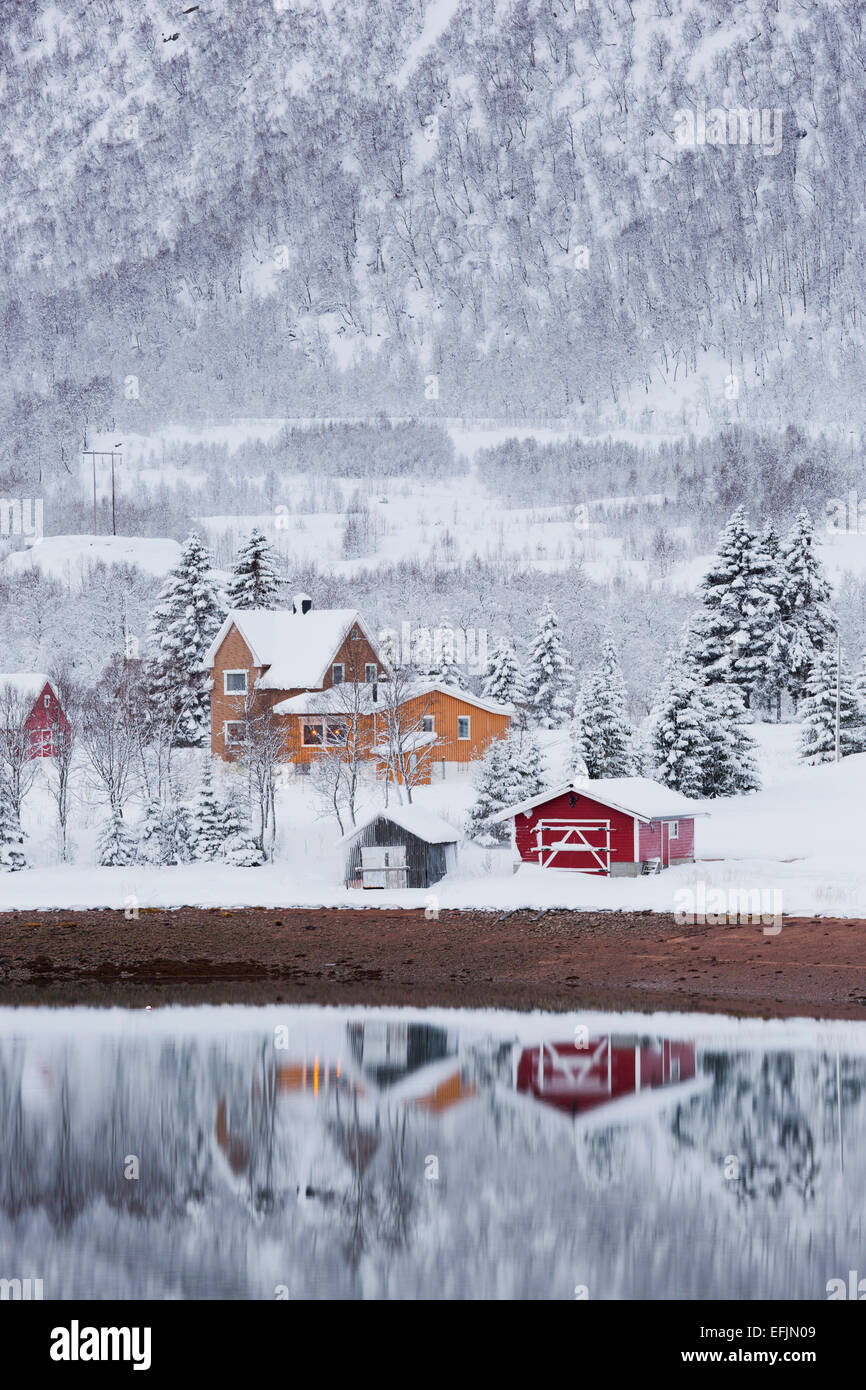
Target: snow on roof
(296, 647)
(425, 687)
(637, 796)
(346, 699)
(331, 701)
(27, 684)
(416, 819)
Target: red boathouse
(608, 825)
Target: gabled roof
(416, 819)
(331, 701)
(297, 648)
(640, 797)
(423, 687)
(27, 684)
(343, 699)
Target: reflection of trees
(754, 1114)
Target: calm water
(330, 1153)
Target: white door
(384, 866)
(582, 845)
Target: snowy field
(802, 834)
(439, 521)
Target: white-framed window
(371, 673)
(46, 700)
(336, 731)
(312, 735)
(428, 724)
(235, 682)
(356, 634)
(235, 732)
(463, 726)
(338, 673)
(673, 830)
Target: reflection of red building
(581, 1078)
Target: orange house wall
(235, 655)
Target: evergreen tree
(549, 676)
(242, 851)
(805, 599)
(255, 581)
(524, 752)
(739, 616)
(774, 680)
(207, 830)
(818, 737)
(444, 668)
(600, 728)
(116, 846)
(165, 833)
(177, 831)
(151, 834)
(732, 766)
(497, 785)
(182, 627)
(680, 728)
(503, 679)
(12, 856)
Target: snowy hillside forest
(436, 300)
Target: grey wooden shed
(400, 847)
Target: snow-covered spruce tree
(116, 847)
(255, 579)
(523, 751)
(600, 727)
(503, 679)
(151, 836)
(739, 615)
(732, 768)
(182, 626)
(12, 856)
(496, 786)
(242, 851)
(549, 677)
(805, 599)
(680, 741)
(207, 832)
(818, 737)
(444, 667)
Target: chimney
(301, 603)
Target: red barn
(609, 825)
(30, 694)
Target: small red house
(45, 723)
(607, 825)
(575, 1079)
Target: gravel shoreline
(558, 960)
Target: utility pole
(838, 696)
(112, 454)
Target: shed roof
(426, 825)
(640, 797)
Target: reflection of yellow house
(449, 1092)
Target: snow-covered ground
(802, 835)
(68, 558)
